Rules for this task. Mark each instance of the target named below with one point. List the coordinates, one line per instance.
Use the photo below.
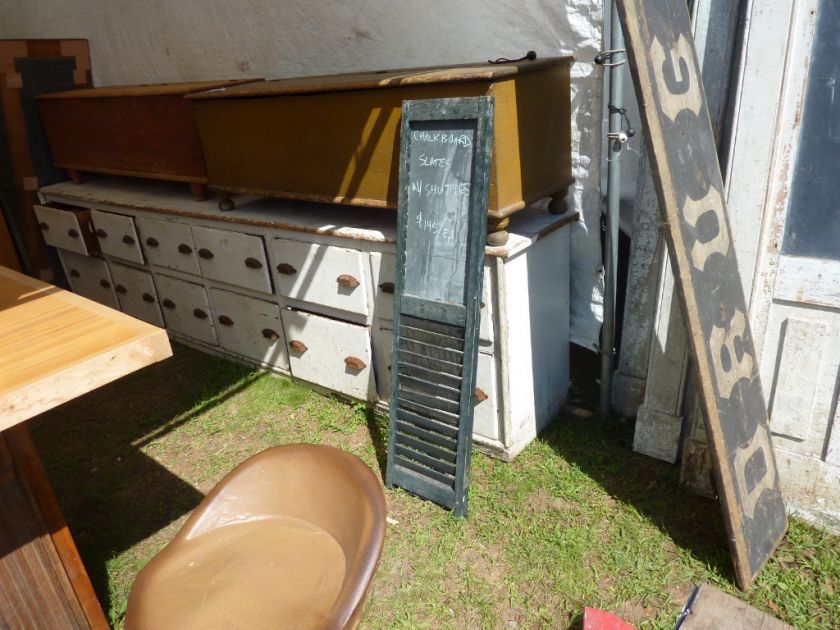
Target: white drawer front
(88, 276)
(66, 229)
(232, 257)
(185, 308)
(168, 244)
(136, 293)
(330, 353)
(117, 236)
(486, 412)
(249, 327)
(320, 274)
(383, 266)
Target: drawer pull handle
(184, 248)
(74, 273)
(480, 395)
(482, 305)
(43, 226)
(355, 363)
(286, 269)
(199, 313)
(104, 284)
(152, 242)
(148, 297)
(73, 233)
(224, 320)
(298, 346)
(270, 334)
(168, 303)
(347, 281)
(128, 240)
(120, 289)
(253, 263)
(205, 253)
(101, 233)
(386, 287)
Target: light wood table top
(56, 346)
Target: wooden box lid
(153, 89)
(383, 79)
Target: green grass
(576, 520)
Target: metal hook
(605, 55)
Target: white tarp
(184, 40)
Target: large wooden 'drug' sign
(444, 186)
(691, 196)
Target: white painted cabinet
(186, 309)
(89, 276)
(117, 236)
(136, 293)
(330, 353)
(232, 257)
(168, 244)
(249, 327)
(321, 274)
(66, 227)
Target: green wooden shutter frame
(436, 342)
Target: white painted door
(798, 285)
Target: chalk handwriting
(444, 230)
(439, 162)
(460, 139)
(461, 189)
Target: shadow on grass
(377, 425)
(112, 494)
(603, 450)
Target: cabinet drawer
(486, 413)
(185, 308)
(136, 293)
(249, 327)
(383, 266)
(320, 274)
(88, 276)
(168, 244)
(328, 352)
(232, 257)
(117, 236)
(67, 227)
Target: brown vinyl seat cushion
(291, 538)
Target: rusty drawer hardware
(386, 287)
(480, 395)
(101, 233)
(199, 313)
(168, 303)
(75, 273)
(184, 248)
(205, 253)
(253, 263)
(224, 320)
(347, 281)
(286, 269)
(120, 289)
(298, 346)
(73, 233)
(148, 297)
(104, 284)
(355, 363)
(128, 240)
(43, 226)
(270, 334)
(152, 242)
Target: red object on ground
(594, 619)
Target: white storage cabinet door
(136, 293)
(186, 309)
(117, 236)
(89, 277)
(61, 227)
(232, 257)
(250, 327)
(168, 244)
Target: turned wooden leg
(76, 176)
(226, 204)
(199, 191)
(558, 203)
(496, 231)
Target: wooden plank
(56, 345)
(444, 187)
(712, 609)
(666, 74)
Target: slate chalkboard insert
(444, 189)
